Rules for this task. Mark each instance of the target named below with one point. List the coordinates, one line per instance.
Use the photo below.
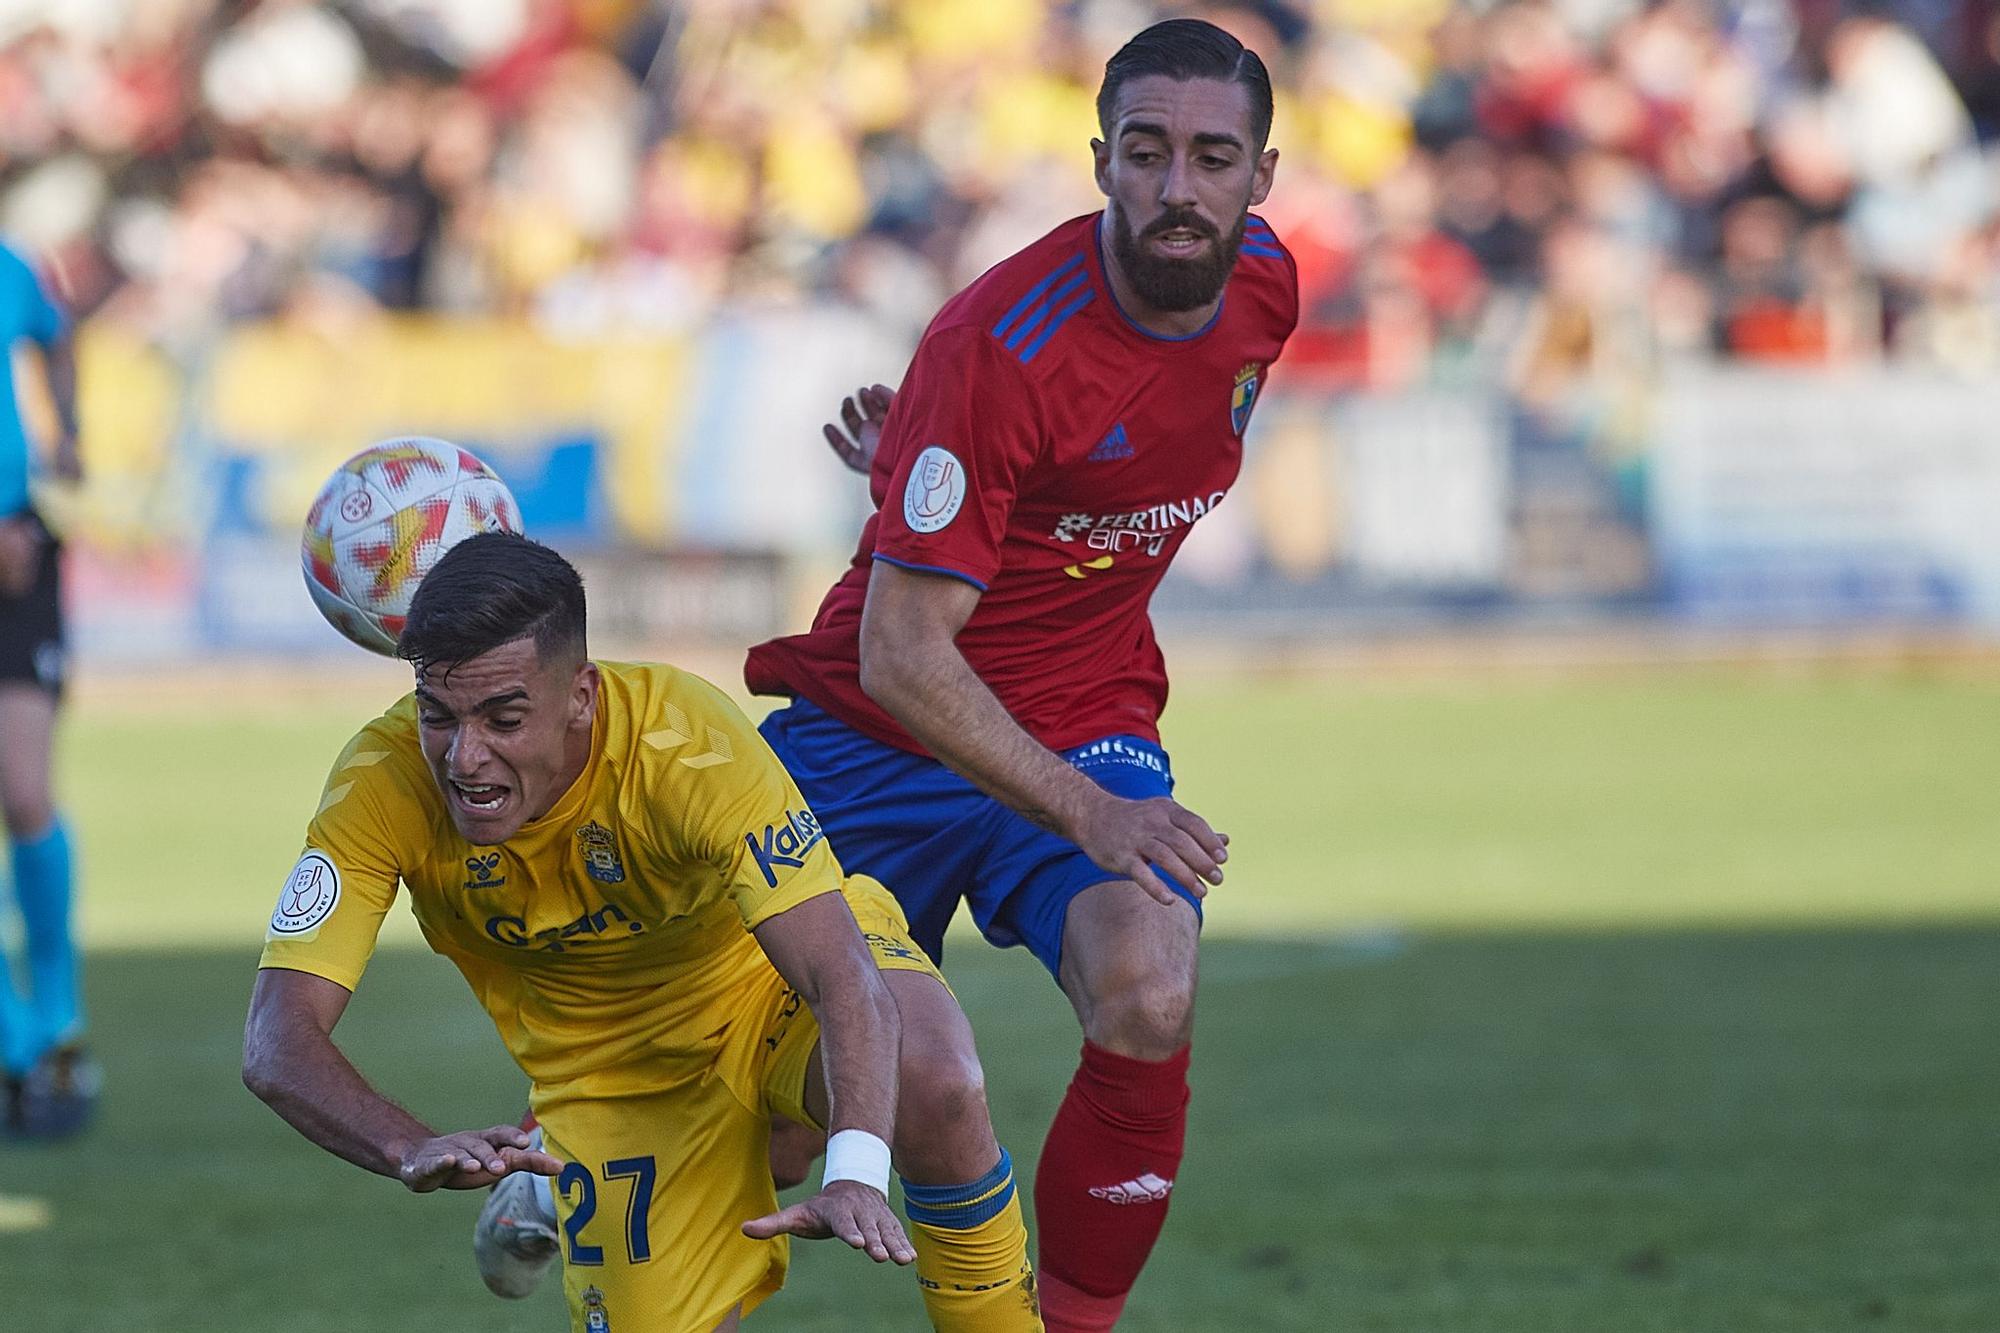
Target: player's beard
(1176, 285)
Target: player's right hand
(1144, 840)
(472, 1159)
(845, 1210)
(863, 415)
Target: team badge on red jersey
(1245, 396)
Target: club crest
(596, 1318)
(600, 853)
(1244, 397)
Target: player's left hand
(847, 1210)
(473, 1159)
(863, 415)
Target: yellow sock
(972, 1254)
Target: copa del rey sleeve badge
(310, 894)
(935, 490)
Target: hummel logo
(1114, 445)
(1148, 1188)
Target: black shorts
(31, 627)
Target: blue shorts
(934, 838)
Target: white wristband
(855, 1154)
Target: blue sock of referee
(42, 882)
(19, 1045)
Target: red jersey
(1053, 454)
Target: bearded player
(652, 917)
(975, 711)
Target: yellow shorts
(657, 1186)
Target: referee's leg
(27, 726)
(54, 1081)
(41, 858)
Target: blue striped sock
(962, 1207)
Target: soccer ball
(383, 519)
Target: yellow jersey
(607, 938)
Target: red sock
(1102, 1188)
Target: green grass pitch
(1659, 1004)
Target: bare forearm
(934, 693)
(860, 1043)
(911, 666)
(60, 362)
(818, 949)
(302, 1075)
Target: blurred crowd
(1555, 187)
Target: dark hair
(490, 589)
(1184, 49)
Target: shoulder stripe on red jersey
(1061, 317)
(1036, 293)
(1054, 300)
(1259, 239)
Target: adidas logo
(1114, 445)
(1148, 1188)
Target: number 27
(638, 1245)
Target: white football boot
(514, 1241)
